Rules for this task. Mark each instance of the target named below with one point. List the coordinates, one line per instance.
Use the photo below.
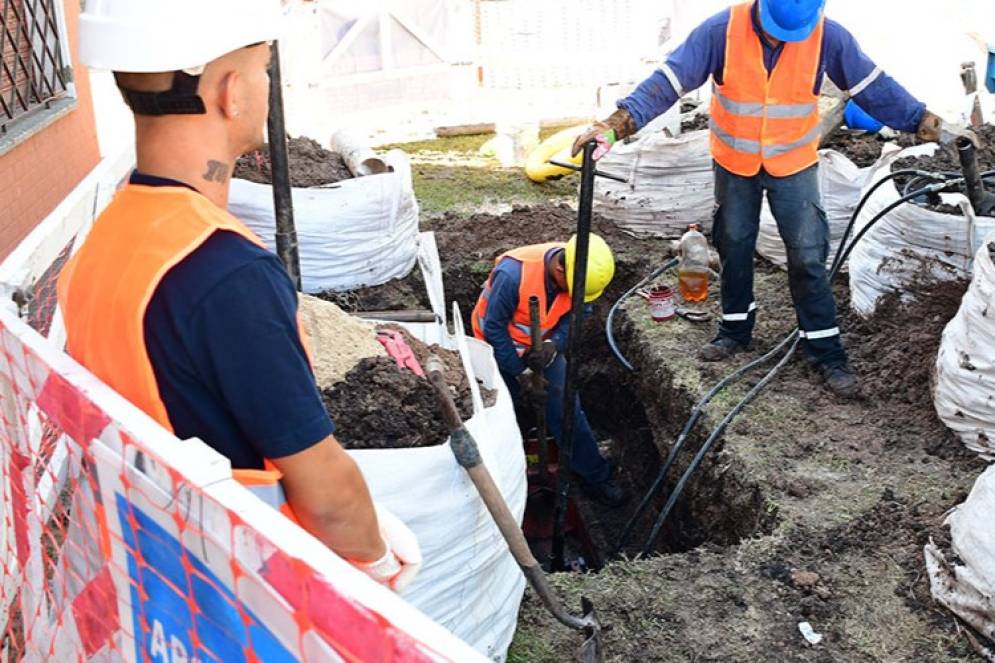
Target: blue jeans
(587, 461)
(797, 208)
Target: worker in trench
(179, 307)
(502, 319)
(767, 60)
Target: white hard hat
(148, 36)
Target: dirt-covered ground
(810, 509)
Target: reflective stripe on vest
(105, 289)
(760, 119)
(533, 261)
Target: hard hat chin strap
(181, 99)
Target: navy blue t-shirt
(221, 332)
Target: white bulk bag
(911, 243)
(470, 583)
(967, 585)
(840, 183)
(358, 232)
(670, 185)
(965, 366)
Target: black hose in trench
(942, 181)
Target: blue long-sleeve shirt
(704, 53)
(506, 279)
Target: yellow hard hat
(600, 267)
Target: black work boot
(841, 380)
(609, 492)
(720, 349)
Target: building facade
(48, 139)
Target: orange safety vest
(533, 260)
(105, 289)
(760, 120)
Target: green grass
(465, 188)
(451, 175)
(463, 145)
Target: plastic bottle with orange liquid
(692, 272)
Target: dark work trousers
(797, 207)
(587, 460)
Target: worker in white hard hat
(179, 307)
(502, 318)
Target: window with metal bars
(33, 72)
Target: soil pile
(895, 350)
(310, 165)
(378, 405)
(404, 294)
(695, 123)
(862, 148)
(338, 340)
(946, 160)
(468, 246)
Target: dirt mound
(398, 295)
(946, 160)
(310, 165)
(895, 350)
(862, 148)
(695, 123)
(338, 340)
(468, 246)
(380, 406)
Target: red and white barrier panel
(120, 542)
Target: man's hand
(531, 391)
(934, 129)
(620, 122)
(539, 359)
(402, 561)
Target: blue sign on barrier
(191, 615)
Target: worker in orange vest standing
(179, 307)
(767, 60)
(502, 319)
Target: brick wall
(37, 174)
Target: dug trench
(809, 508)
(635, 426)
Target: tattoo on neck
(216, 172)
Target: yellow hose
(556, 147)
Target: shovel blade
(591, 651)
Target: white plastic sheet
(911, 244)
(966, 585)
(359, 232)
(470, 583)
(670, 185)
(965, 366)
(840, 182)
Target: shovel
(468, 456)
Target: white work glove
(399, 566)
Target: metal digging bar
(584, 214)
(467, 454)
(279, 156)
(539, 393)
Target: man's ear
(228, 95)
